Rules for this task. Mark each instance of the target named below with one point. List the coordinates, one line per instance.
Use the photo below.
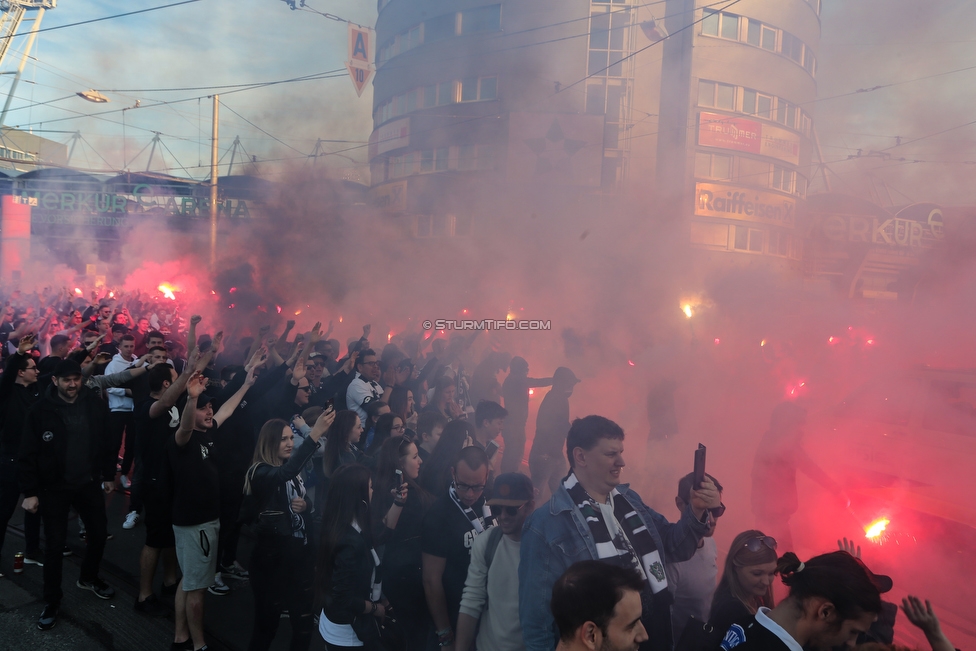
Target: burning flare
(876, 529)
(167, 291)
(686, 308)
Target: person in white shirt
(692, 582)
(491, 589)
(121, 406)
(365, 384)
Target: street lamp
(93, 96)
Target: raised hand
(848, 546)
(366, 330)
(299, 371)
(195, 319)
(315, 334)
(25, 344)
(196, 385)
(290, 324)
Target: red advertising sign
(730, 133)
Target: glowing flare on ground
(686, 308)
(167, 291)
(874, 530)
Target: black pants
(514, 436)
(119, 423)
(405, 590)
(9, 499)
(282, 570)
(89, 502)
(231, 497)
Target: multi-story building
(476, 102)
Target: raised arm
(227, 409)
(194, 388)
(191, 337)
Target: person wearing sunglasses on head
(747, 580)
(491, 590)
(692, 582)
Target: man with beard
(598, 608)
(491, 589)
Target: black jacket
(15, 400)
(268, 482)
(352, 586)
(43, 463)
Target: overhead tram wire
(103, 18)
(275, 138)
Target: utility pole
(213, 187)
(32, 35)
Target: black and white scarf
(479, 523)
(376, 591)
(627, 541)
(295, 487)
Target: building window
(723, 25)
(474, 89)
(783, 179)
(439, 28)
(716, 95)
(434, 160)
(401, 165)
(748, 239)
(754, 103)
(792, 47)
(608, 33)
(713, 166)
(779, 243)
(482, 19)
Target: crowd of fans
(386, 494)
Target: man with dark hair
(450, 527)
(598, 608)
(66, 462)
(365, 384)
(692, 582)
(430, 424)
(154, 424)
(547, 464)
(19, 389)
(591, 515)
(515, 392)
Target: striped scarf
(479, 523)
(626, 541)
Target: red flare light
(167, 291)
(78, 291)
(876, 530)
(631, 363)
(111, 294)
(831, 340)
(297, 312)
(278, 307)
(870, 342)
(233, 289)
(531, 392)
(389, 337)
(717, 341)
(232, 305)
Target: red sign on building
(730, 133)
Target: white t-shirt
(337, 634)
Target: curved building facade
(739, 132)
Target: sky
(864, 44)
(206, 43)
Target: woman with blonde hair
(283, 559)
(747, 580)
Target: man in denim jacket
(591, 516)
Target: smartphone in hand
(699, 466)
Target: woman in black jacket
(399, 505)
(347, 574)
(283, 558)
(747, 580)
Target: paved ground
(87, 623)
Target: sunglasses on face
(718, 511)
(756, 544)
(305, 389)
(510, 511)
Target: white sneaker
(219, 588)
(126, 483)
(131, 520)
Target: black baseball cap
(67, 368)
(511, 489)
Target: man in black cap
(65, 461)
(547, 464)
(491, 591)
